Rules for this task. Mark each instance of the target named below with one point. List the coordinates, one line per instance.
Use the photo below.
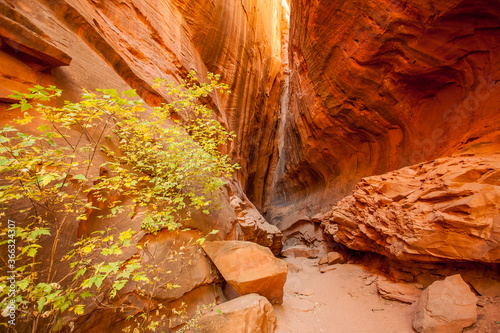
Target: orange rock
(401, 292)
(300, 251)
(447, 209)
(446, 306)
(249, 268)
(250, 224)
(246, 314)
(332, 258)
(383, 85)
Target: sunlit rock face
(77, 44)
(124, 44)
(438, 211)
(114, 43)
(378, 85)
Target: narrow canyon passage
(366, 196)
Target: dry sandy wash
(345, 300)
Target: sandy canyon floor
(345, 300)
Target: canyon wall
(137, 41)
(77, 44)
(378, 85)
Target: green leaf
(23, 283)
(80, 177)
(98, 281)
(86, 294)
(47, 179)
(41, 304)
(25, 106)
(32, 251)
(43, 128)
(80, 273)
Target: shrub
(102, 157)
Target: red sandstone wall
(377, 85)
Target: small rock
(293, 268)
(324, 268)
(335, 258)
(370, 280)
(445, 306)
(249, 313)
(300, 251)
(323, 260)
(332, 258)
(401, 292)
(481, 302)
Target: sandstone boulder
(445, 307)
(251, 313)
(249, 268)
(300, 251)
(332, 258)
(438, 211)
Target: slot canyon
(367, 134)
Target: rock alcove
(368, 133)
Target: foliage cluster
(129, 160)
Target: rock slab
(401, 292)
(332, 258)
(445, 307)
(249, 268)
(439, 211)
(251, 313)
(300, 251)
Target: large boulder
(438, 211)
(445, 307)
(249, 268)
(251, 313)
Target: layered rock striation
(442, 210)
(137, 41)
(378, 85)
(76, 44)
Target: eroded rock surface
(401, 292)
(447, 209)
(250, 313)
(300, 251)
(250, 225)
(378, 85)
(446, 306)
